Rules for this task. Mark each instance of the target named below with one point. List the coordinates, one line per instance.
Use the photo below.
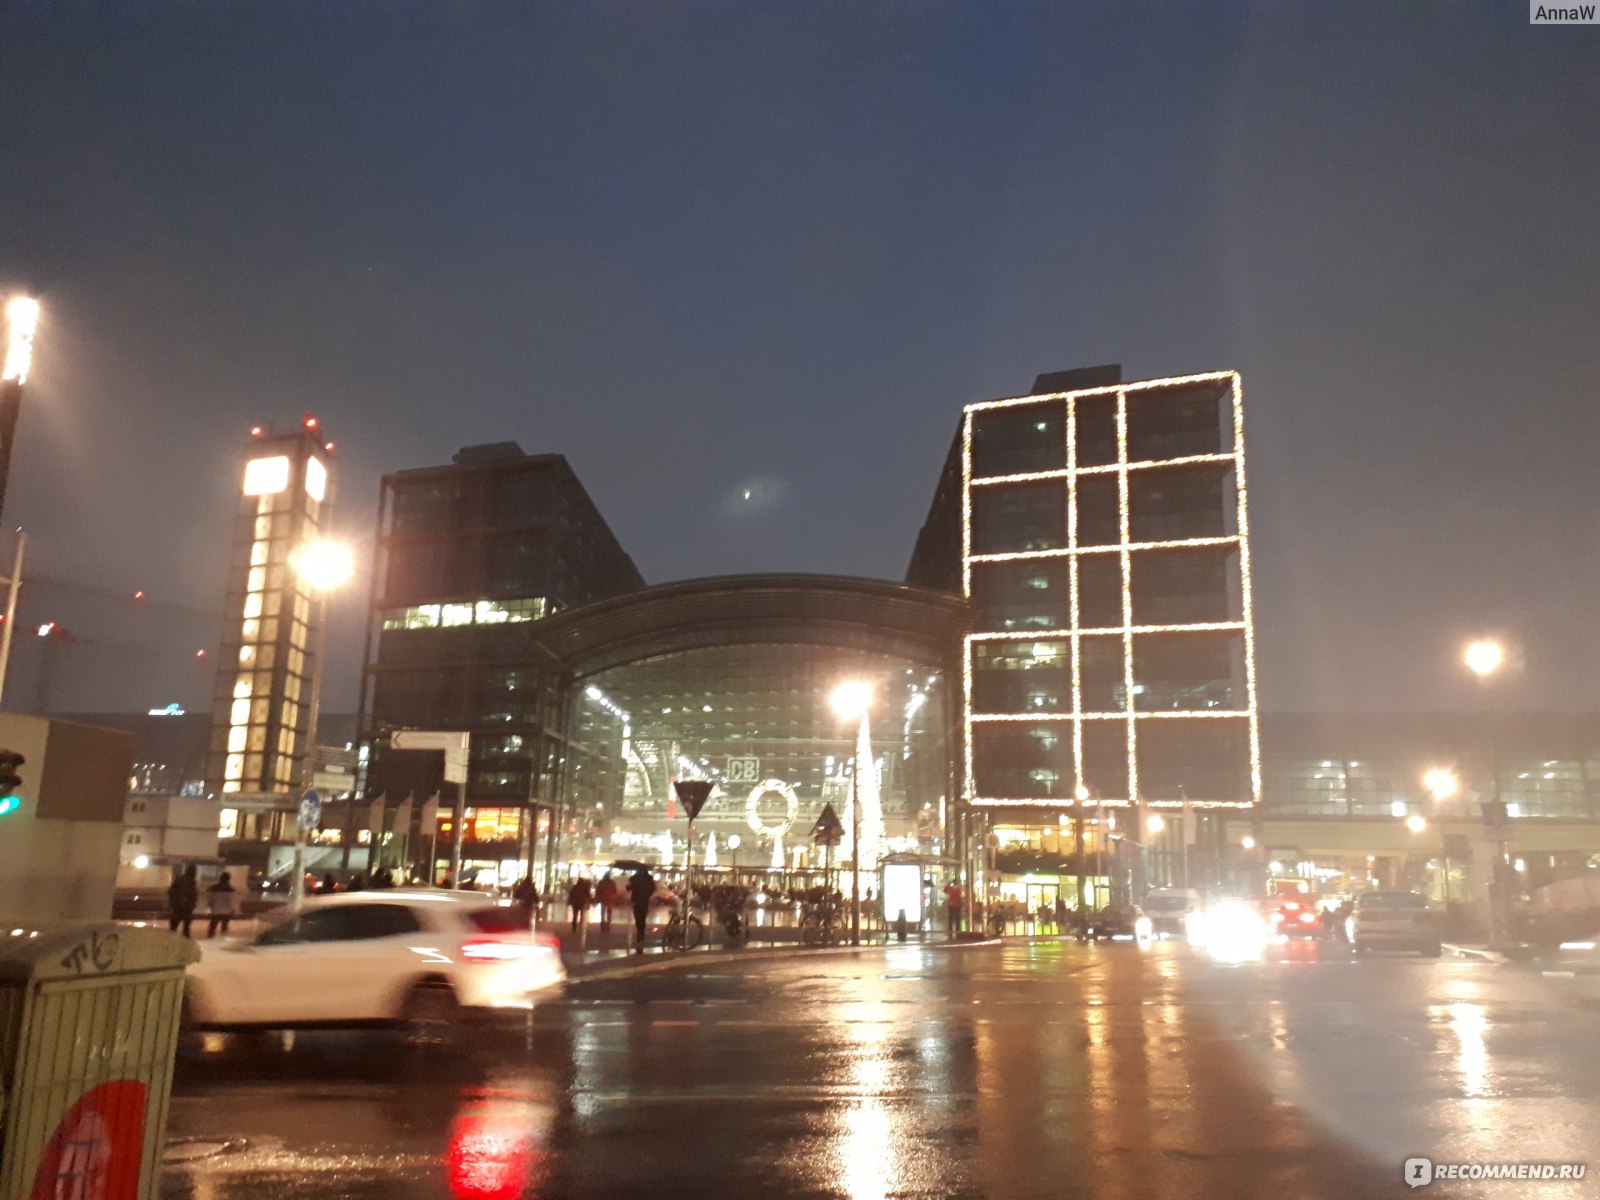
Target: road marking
(674, 1024)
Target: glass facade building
(470, 559)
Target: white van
(1169, 909)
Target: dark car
(1119, 921)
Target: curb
(656, 962)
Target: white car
(374, 958)
(1393, 921)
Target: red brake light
(1306, 918)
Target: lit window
(266, 476)
(257, 579)
(228, 823)
(316, 479)
(258, 553)
(237, 736)
(252, 605)
(455, 614)
(240, 713)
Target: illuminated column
(261, 716)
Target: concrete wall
(59, 850)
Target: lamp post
(1485, 658)
(323, 566)
(1152, 828)
(1442, 783)
(852, 701)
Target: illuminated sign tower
(265, 674)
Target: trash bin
(88, 1031)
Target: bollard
(900, 926)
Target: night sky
(708, 248)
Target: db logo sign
(98, 1147)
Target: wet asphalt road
(1044, 1069)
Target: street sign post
(828, 830)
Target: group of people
(639, 891)
(223, 903)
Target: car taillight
(493, 950)
(1307, 918)
(548, 940)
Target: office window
(1022, 516)
(1014, 441)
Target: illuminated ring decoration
(752, 807)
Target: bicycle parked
(682, 932)
(822, 919)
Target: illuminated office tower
(1100, 532)
(266, 666)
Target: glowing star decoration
(22, 322)
(1128, 715)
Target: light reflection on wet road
(1042, 1069)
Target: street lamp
(1416, 823)
(324, 566)
(1485, 658)
(1441, 783)
(851, 701)
(22, 321)
(1155, 824)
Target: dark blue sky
(695, 245)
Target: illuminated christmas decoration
(752, 808)
(1122, 395)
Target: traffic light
(10, 781)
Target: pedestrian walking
(607, 893)
(182, 897)
(952, 904)
(525, 898)
(1061, 914)
(641, 890)
(222, 905)
(579, 897)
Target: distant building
(267, 658)
(470, 557)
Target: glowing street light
(1441, 782)
(22, 321)
(1484, 657)
(1155, 824)
(851, 701)
(324, 565)
(1416, 823)
(1247, 842)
